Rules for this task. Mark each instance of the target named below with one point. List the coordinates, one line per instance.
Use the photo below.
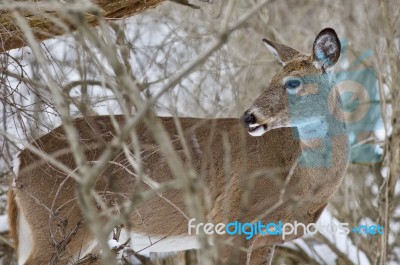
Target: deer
(288, 155)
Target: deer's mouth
(257, 130)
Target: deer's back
(232, 163)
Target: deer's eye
(292, 84)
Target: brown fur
(244, 194)
(12, 211)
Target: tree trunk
(43, 16)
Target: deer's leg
(42, 238)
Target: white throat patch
(258, 131)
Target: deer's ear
(326, 49)
(281, 52)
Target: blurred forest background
(155, 45)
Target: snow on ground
(3, 224)
(322, 252)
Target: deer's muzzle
(248, 119)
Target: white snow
(3, 224)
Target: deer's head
(300, 92)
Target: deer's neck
(318, 139)
(315, 128)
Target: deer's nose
(247, 119)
